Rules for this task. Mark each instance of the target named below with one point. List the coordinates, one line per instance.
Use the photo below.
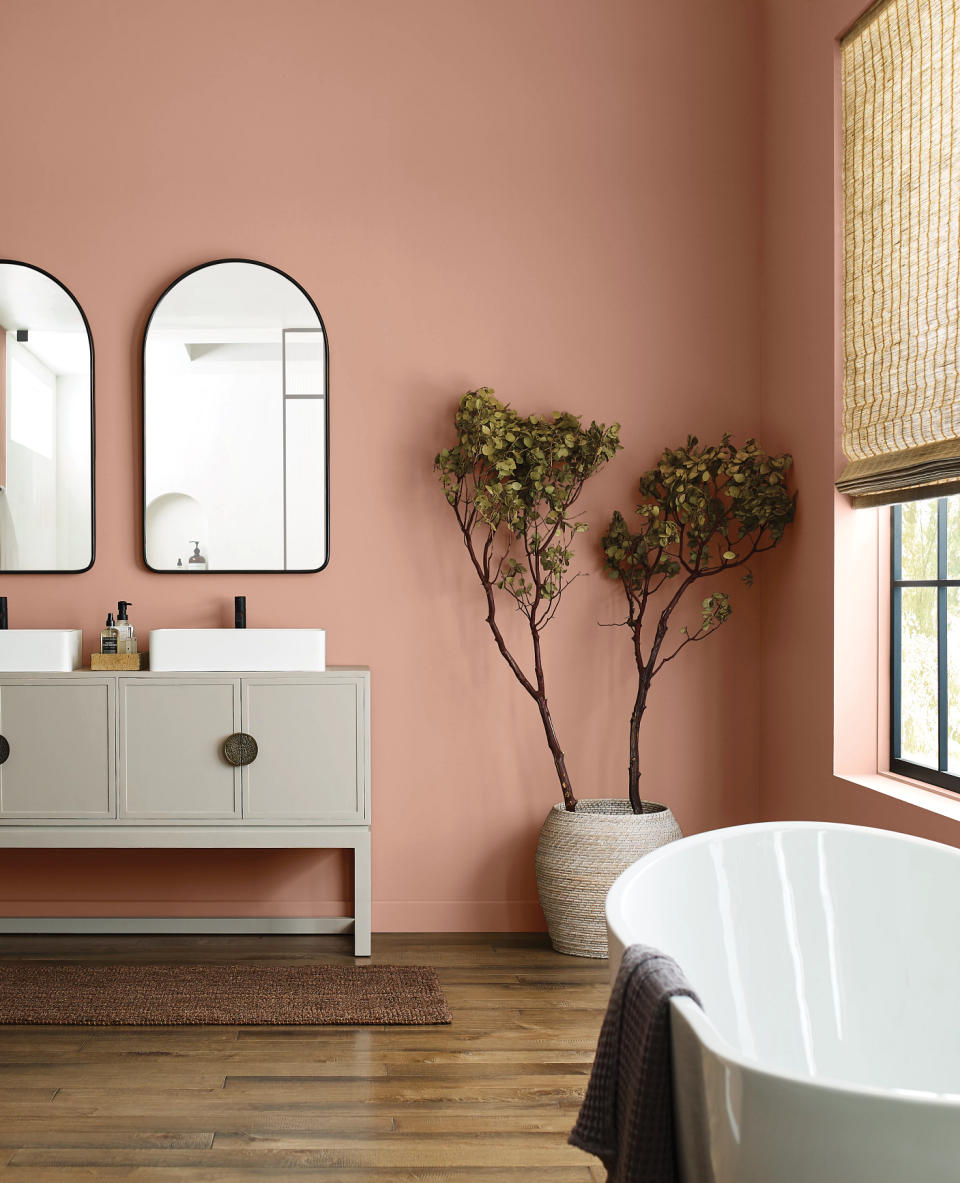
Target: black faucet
(239, 612)
(3, 612)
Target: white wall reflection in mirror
(235, 419)
(46, 425)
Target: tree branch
(482, 575)
(700, 635)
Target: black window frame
(938, 776)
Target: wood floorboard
(242, 1153)
(73, 1174)
(491, 1097)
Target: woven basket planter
(578, 857)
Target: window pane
(953, 679)
(918, 675)
(304, 355)
(919, 535)
(31, 404)
(306, 520)
(953, 539)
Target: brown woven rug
(183, 993)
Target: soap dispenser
(126, 637)
(196, 562)
(108, 636)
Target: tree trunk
(636, 803)
(644, 674)
(536, 692)
(569, 801)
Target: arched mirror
(46, 425)
(235, 424)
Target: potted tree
(512, 482)
(703, 511)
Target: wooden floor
(489, 1098)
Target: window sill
(912, 792)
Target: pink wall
(799, 384)
(559, 198)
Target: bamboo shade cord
(901, 209)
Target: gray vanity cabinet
(171, 748)
(60, 738)
(138, 761)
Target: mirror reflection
(235, 420)
(46, 424)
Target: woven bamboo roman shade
(901, 230)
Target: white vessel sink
(40, 650)
(197, 650)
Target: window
(30, 404)
(925, 642)
(900, 85)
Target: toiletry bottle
(196, 562)
(126, 637)
(108, 636)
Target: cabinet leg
(361, 897)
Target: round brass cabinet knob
(4, 749)
(239, 748)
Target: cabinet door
(61, 737)
(172, 764)
(310, 762)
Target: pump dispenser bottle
(108, 636)
(126, 637)
(196, 562)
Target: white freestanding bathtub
(827, 959)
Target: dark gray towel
(626, 1119)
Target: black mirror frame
(143, 428)
(93, 437)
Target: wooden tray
(118, 661)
